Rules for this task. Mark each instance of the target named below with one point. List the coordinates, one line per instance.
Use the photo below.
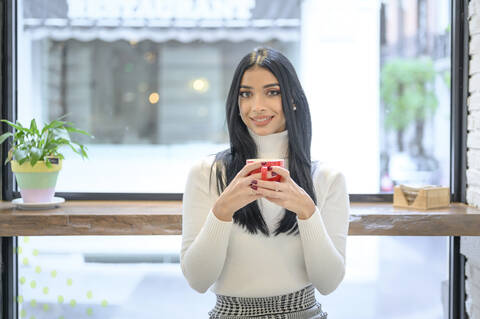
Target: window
(152, 93)
(139, 276)
(149, 80)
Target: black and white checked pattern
(296, 305)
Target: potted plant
(36, 158)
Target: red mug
(264, 168)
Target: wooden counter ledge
(164, 218)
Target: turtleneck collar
(271, 146)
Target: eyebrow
(265, 86)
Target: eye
(244, 94)
(273, 92)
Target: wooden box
(428, 197)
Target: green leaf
(61, 141)
(72, 129)
(33, 161)
(4, 136)
(83, 150)
(18, 127)
(60, 133)
(20, 155)
(33, 127)
(35, 155)
(54, 125)
(74, 149)
(34, 145)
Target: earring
(294, 107)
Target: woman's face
(260, 102)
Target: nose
(258, 104)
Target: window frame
(458, 147)
(9, 286)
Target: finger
(248, 168)
(269, 175)
(281, 171)
(251, 191)
(269, 193)
(254, 194)
(248, 180)
(275, 186)
(250, 184)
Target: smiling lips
(262, 121)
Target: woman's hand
(287, 194)
(241, 191)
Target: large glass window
(140, 277)
(149, 79)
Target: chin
(263, 131)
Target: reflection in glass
(151, 84)
(149, 80)
(113, 277)
(415, 93)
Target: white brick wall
(470, 246)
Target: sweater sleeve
(204, 236)
(324, 237)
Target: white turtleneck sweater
(238, 263)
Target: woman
(265, 246)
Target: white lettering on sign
(165, 9)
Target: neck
(271, 146)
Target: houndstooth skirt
(296, 305)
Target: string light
(200, 85)
(153, 98)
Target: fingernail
(269, 168)
(264, 163)
(254, 181)
(274, 174)
(254, 187)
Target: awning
(160, 21)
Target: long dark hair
(242, 146)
